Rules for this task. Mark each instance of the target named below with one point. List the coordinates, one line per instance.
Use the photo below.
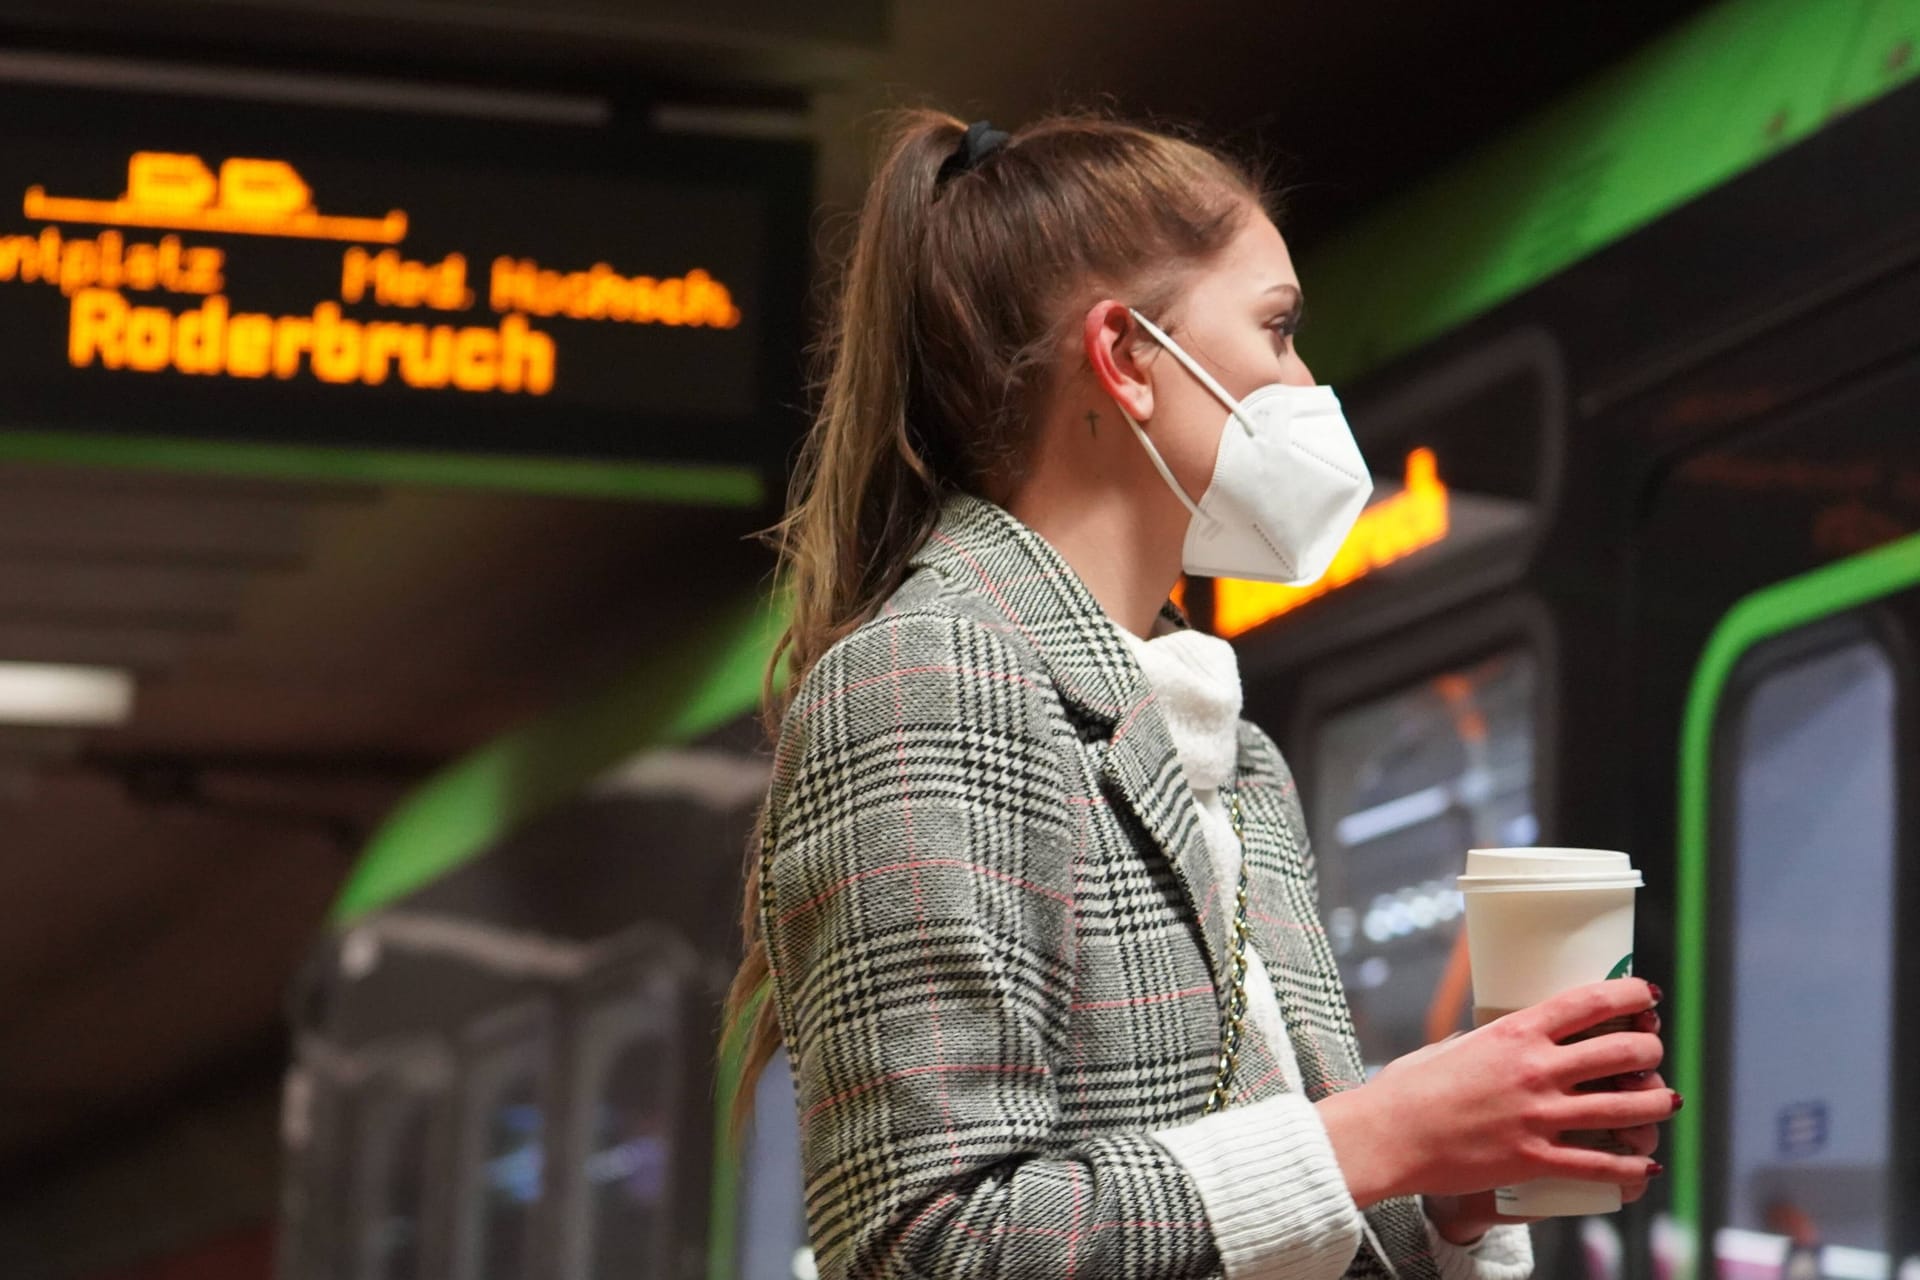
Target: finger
(1614, 1054)
(1640, 1140)
(1626, 1082)
(1563, 1161)
(1585, 1007)
(1612, 1110)
(1632, 1191)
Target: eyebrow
(1299, 299)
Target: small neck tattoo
(1092, 423)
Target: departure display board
(217, 271)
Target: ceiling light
(57, 694)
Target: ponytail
(863, 494)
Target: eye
(1285, 327)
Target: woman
(1034, 906)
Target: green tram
(1641, 385)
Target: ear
(1110, 336)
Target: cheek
(1192, 440)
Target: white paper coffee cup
(1541, 921)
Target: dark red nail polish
(1655, 989)
(1655, 1168)
(1678, 1101)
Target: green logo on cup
(1624, 969)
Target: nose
(1300, 375)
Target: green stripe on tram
(1729, 88)
(1761, 616)
(710, 676)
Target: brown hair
(940, 352)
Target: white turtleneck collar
(1196, 678)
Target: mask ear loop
(1166, 473)
(1206, 379)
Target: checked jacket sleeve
(918, 907)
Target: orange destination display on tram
(620, 298)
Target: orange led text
(109, 331)
(73, 263)
(695, 299)
(119, 317)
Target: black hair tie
(980, 141)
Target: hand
(1464, 1219)
(1488, 1108)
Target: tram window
(773, 1215)
(1810, 777)
(631, 1094)
(513, 1174)
(1405, 785)
(627, 1165)
(504, 1167)
(396, 1142)
(320, 1117)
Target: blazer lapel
(1143, 769)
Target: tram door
(1777, 619)
(1801, 854)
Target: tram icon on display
(244, 196)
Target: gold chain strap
(1236, 1012)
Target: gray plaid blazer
(997, 942)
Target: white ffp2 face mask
(1287, 485)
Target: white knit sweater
(1266, 1171)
